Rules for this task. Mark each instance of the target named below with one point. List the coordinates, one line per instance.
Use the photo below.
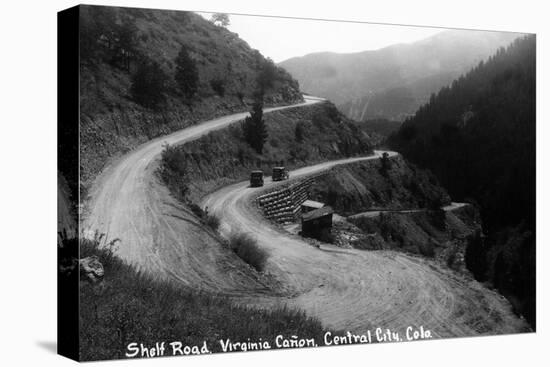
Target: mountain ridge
(478, 136)
(347, 78)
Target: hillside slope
(396, 79)
(117, 44)
(364, 186)
(478, 137)
(223, 157)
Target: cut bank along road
(355, 290)
(346, 289)
(156, 233)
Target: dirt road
(358, 290)
(347, 289)
(376, 213)
(156, 233)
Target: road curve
(355, 290)
(346, 289)
(156, 233)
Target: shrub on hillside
(246, 247)
(212, 221)
(187, 74)
(149, 85)
(218, 86)
(299, 132)
(132, 306)
(173, 171)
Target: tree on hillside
(218, 86)
(97, 33)
(126, 44)
(478, 137)
(385, 164)
(108, 37)
(220, 19)
(149, 85)
(187, 75)
(267, 75)
(254, 128)
(299, 132)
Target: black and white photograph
(233, 200)
(255, 183)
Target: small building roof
(313, 204)
(317, 213)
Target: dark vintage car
(256, 178)
(279, 174)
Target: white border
(28, 202)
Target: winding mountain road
(346, 289)
(156, 233)
(356, 290)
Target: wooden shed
(317, 223)
(310, 205)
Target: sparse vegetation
(174, 172)
(299, 132)
(212, 221)
(218, 86)
(363, 186)
(130, 306)
(246, 247)
(419, 233)
(149, 85)
(187, 74)
(225, 156)
(121, 108)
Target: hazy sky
(283, 38)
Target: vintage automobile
(279, 174)
(256, 178)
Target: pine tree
(254, 128)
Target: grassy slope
(223, 156)
(432, 234)
(111, 122)
(132, 307)
(358, 187)
(363, 186)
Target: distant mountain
(478, 137)
(394, 81)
